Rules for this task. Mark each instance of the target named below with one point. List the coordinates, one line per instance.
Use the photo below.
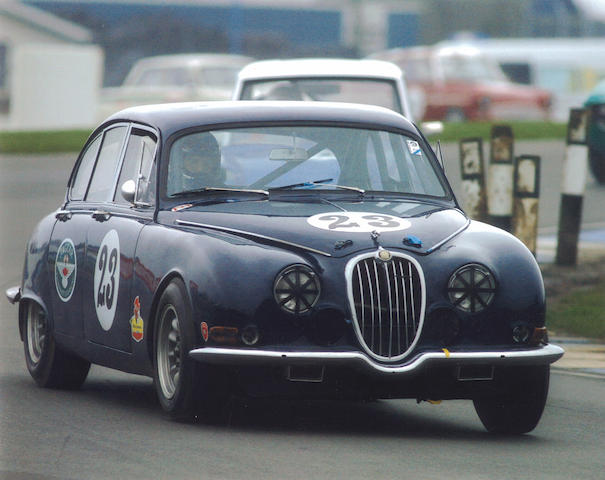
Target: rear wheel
(520, 408)
(47, 363)
(183, 386)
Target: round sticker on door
(65, 269)
(358, 222)
(107, 279)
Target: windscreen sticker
(66, 269)
(413, 147)
(107, 279)
(358, 222)
(137, 326)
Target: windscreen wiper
(184, 193)
(301, 184)
(361, 191)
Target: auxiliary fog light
(250, 335)
(521, 333)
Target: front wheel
(183, 386)
(519, 409)
(47, 363)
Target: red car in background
(456, 82)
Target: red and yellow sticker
(137, 326)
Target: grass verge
(581, 312)
(43, 141)
(454, 132)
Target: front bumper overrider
(539, 355)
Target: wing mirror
(128, 190)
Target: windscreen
(320, 157)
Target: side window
(102, 183)
(138, 166)
(146, 187)
(78, 187)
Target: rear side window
(102, 184)
(87, 163)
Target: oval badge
(66, 269)
(358, 222)
(107, 279)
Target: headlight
(296, 289)
(471, 288)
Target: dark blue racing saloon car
(281, 249)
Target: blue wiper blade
(301, 184)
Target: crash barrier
(510, 196)
(575, 171)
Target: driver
(201, 161)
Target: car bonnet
(328, 229)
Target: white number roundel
(358, 222)
(107, 279)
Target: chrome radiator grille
(387, 301)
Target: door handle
(101, 215)
(63, 215)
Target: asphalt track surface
(114, 428)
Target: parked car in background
(174, 78)
(595, 137)
(300, 249)
(456, 82)
(568, 68)
(372, 82)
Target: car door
(113, 232)
(67, 249)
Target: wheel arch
(26, 299)
(162, 285)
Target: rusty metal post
(526, 199)
(500, 177)
(575, 171)
(473, 178)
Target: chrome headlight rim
(296, 289)
(472, 288)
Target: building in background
(50, 73)
(129, 30)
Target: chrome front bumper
(542, 355)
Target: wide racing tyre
(519, 409)
(185, 388)
(48, 364)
